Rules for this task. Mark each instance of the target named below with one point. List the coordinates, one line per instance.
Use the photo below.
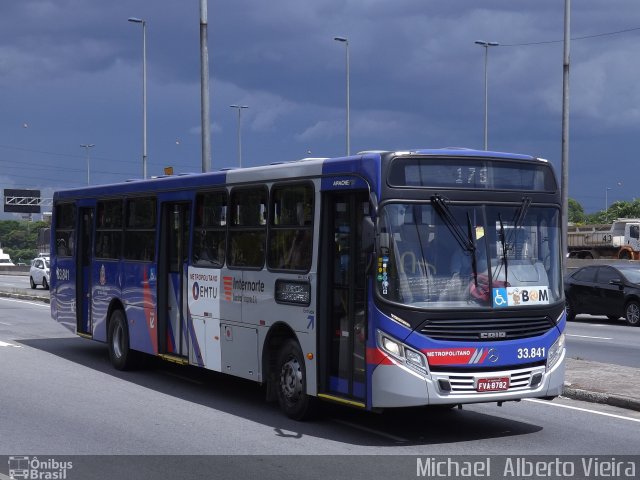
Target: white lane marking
(5, 344)
(37, 304)
(587, 336)
(4, 323)
(545, 402)
(371, 430)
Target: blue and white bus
(379, 280)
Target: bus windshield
(459, 256)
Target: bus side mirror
(368, 235)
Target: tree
(624, 210)
(20, 238)
(616, 210)
(576, 212)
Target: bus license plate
(496, 384)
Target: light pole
(204, 89)
(144, 92)
(486, 46)
(239, 108)
(346, 44)
(87, 146)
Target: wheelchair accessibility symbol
(499, 297)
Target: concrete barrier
(15, 270)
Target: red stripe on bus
(375, 356)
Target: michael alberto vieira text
(520, 467)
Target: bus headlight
(415, 359)
(401, 352)
(555, 352)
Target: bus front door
(343, 297)
(83, 267)
(172, 281)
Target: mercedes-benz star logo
(492, 355)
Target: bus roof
(278, 170)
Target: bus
(378, 280)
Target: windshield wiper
(471, 240)
(466, 242)
(519, 216)
(504, 248)
(521, 212)
(442, 209)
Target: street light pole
(144, 92)
(239, 108)
(87, 146)
(346, 43)
(204, 89)
(486, 46)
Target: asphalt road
(18, 281)
(601, 340)
(60, 396)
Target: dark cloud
(71, 70)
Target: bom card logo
(520, 296)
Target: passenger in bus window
(62, 248)
(299, 256)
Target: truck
(5, 259)
(620, 239)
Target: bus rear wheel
(118, 340)
(292, 383)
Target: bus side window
(209, 238)
(140, 232)
(248, 229)
(291, 227)
(65, 229)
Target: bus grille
(489, 330)
(461, 383)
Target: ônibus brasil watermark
(28, 468)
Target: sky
(71, 74)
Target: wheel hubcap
(291, 380)
(633, 314)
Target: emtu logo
(227, 288)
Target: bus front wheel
(292, 382)
(119, 352)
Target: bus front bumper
(397, 385)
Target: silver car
(39, 272)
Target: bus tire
(120, 354)
(292, 383)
